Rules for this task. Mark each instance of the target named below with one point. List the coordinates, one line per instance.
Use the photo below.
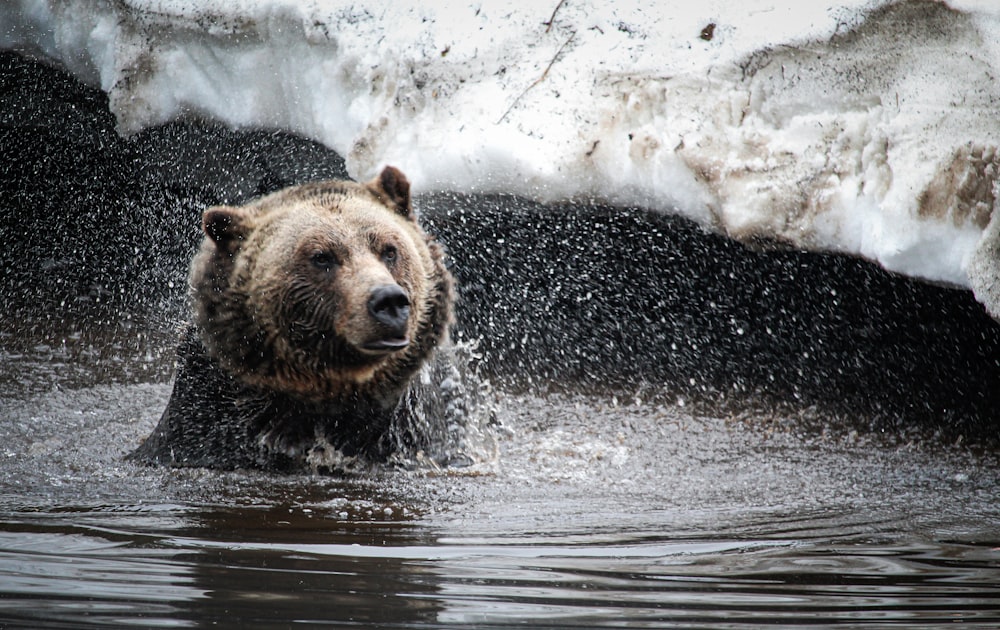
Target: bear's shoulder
(201, 424)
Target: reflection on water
(177, 566)
(53, 575)
(724, 583)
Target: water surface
(591, 510)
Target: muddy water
(588, 510)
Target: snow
(863, 126)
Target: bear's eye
(323, 260)
(389, 254)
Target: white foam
(862, 126)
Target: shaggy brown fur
(313, 309)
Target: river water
(690, 433)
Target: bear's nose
(390, 305)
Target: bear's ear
(225, 225)
(393, 189)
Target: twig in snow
(539, 79)
(548, 25)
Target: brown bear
(314, 309)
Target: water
(694, 434)
(592, 511)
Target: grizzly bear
(314, 309)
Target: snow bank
(865, 127)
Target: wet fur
(272, 364)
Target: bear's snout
(389, 305)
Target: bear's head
(322, 291)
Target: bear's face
(341, 279)
(319, 289)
